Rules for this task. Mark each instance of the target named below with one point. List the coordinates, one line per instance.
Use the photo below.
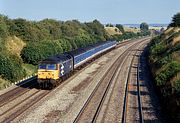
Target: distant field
(115, 30)
(156, 28)
(112, 30)
(131, 29)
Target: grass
(176, 56)
(176, 38)
(131, 29)
(4, 83)
(14, 45)
(30, 69)
(112, 30)
(156, 28)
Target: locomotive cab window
(51, 66)
(42, 66)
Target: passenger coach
(53, 69)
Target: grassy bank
(164, 59)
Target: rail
(127, 90)
(106, 90)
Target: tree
(11, 67)
(120, 27)
(3, 27)
(109, 25)
(34, 52)
(96, 29)
(175, 20)
(144, 26)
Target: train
(53, 70)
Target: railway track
(129, 83)
(111, 109)
(17, 91)
(9, 112)
(27, 85)
(17, 100)
(92, 107)
(22, 106)
(14, 96)
(13, 103)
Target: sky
(106, 11)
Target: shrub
(164, 76)
(11, 67)
(158, 49)
(34, 52)
(164, 60)
(3, 27)
(177, 86)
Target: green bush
(127, 35)
(165, 75)
(11, 67)
(158, 49)
(155, 40)
(65, 44)
(3, 27)
(34, 52)
(163, 61)
(177, 86)
(120, 27)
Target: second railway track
(132, 108)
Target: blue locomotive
(53, 69)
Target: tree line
(144, 31)
(45, 38)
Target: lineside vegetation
(165, 65)
(23, 43)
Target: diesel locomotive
(52, 70)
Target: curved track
(92, 107)
(16, 101)
(128, 90)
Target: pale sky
(106, 11)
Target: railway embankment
(164, 60)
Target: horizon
(115, 11)
(86, 21)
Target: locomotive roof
(66, 56)
(56, 59)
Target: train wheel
(43, 85)
(50, 86)
(40, 85)
(46, 85)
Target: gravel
(64, 102)
(150, 102)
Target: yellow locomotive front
(48, 74)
